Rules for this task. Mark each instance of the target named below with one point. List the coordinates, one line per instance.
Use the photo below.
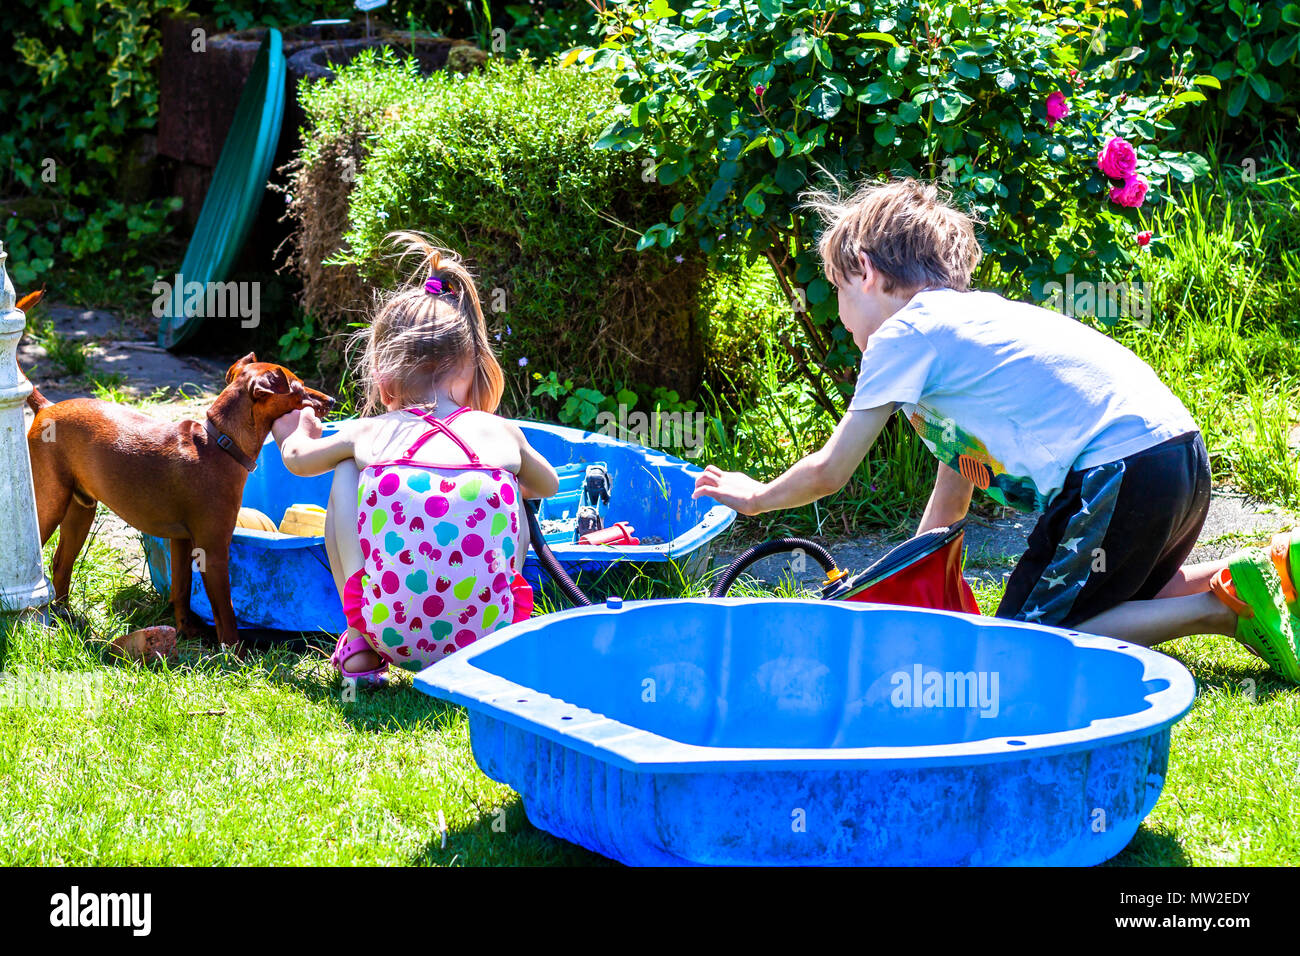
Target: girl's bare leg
(343, 547)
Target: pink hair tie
(433, 285)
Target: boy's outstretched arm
(949, 501)
(825, 471)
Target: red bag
(924, 571)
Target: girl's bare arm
(306, 450)
(537, 479)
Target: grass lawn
(214, 761)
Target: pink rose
(1057, 108)
(759, 90)
(1117, 159)
(1132, 194)
(1144, 237)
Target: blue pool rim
(716, 520)
(457, 679)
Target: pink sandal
(345, 649)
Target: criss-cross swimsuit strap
(439, 426)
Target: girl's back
(438, 518)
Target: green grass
(68, 355)
(215, 761)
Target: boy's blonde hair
(417, 337)
(907, 229)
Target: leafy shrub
(1253, 48)
(747, 101)
(498, 165)
(80, 102)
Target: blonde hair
(908, 229)
(417, 337)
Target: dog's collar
(227, 444)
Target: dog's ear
(232, 373)
(268, 383)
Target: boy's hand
(734, 489)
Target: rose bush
(755, 101)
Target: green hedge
(498, 165)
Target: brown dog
(181, 481)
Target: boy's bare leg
(1191, 579)
(1163, 619)
(343, 546)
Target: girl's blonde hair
(417, 336)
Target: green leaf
(770, 9)
(1189, 96)
(1237, 98)
(1283, 49)
(885, 133)
(1207, 79)
(824, 103)
(875, 94)
(947, 107)
(776, 145)
(660, 10)
(897, 58)
(754, 202)
(796, 48)
(882, 37)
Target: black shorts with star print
(1114, 533)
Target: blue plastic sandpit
(283, 582)
(738, 731)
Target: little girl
(424, 529)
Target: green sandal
(1284, 550)
(1252, 586)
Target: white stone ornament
(22, 579)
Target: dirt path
(174, 387)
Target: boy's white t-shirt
(1014, 396)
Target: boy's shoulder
(969, 312)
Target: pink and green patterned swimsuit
(439, 542)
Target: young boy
(1040, 412)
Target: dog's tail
(36, 401)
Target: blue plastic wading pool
(740, 731)
(283, 582)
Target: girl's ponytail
(430, 325)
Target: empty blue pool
(738, 731)
(283, 582)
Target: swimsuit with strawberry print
(439, 543)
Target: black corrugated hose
(550, 562)
(760, 551)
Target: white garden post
(22, 580)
